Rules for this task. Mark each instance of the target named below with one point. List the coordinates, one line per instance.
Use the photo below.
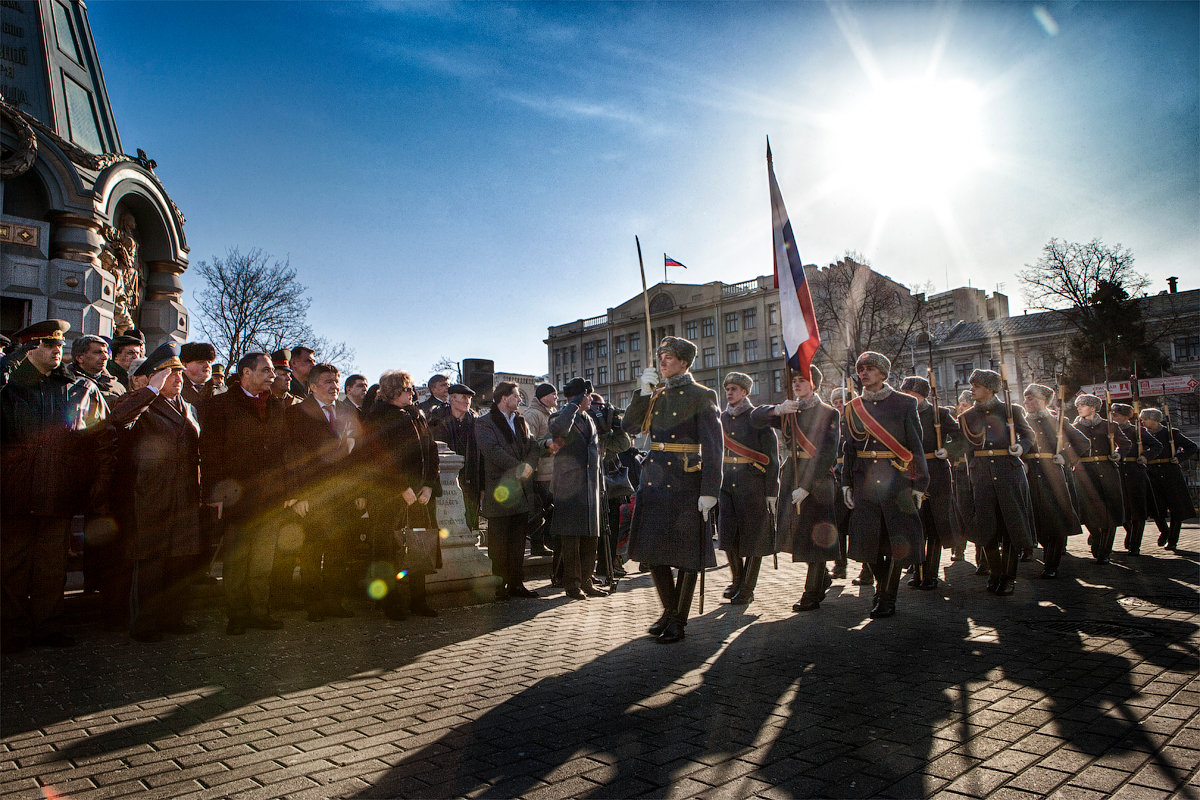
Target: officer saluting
(681, 480)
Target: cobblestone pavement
(1081, 687)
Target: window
(557, 379)
(962, 372)
(635, 368)
(711, 383)
(623, 398)
(690, 329)
(602, 348)
(589, 374)
(772, 314)
(754, 388)
(620, 372)
(710, 357)
(1187, 348)
(572, 354)
(732, 353)
(558, 358)
(708, 326)
(774, 347)
(602, 373)
(1189, 410)
(751, 348)
(731, 322)
(589, 351)
(618, 344)
(750, 319)
(777, 380)
(635, 342)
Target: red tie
(332, 421)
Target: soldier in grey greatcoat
(884, 479)
(749, 491)
(681, 480)
(1135, 480)
(1000, 491)
(1098, 478)
(807, 517)
(939, 517)
(1055, 517)
(1166, 477)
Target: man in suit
(439, 395)
(240, 448)
(356, 393)
(300, 362)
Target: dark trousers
(506, 548)
(579, 560)
(33, 571)
(322, 561)
(159, 593)
(246, 570)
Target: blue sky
(450, 179)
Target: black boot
(736, 569)
(664, 584)
(932, 564)
(865, 578)
(887, 580)
(816, 584)
(839, 568)
(1053, 552)
(1133, 536)
(683, 604)
(749, 580)
(1012, 557)
(995, 566)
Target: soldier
(1166, 476)
(999, 488)
(962, 487)
(1054, 515)
(218, 378)
(838, 399)
(55, 459)
(1136, 493)
(1098, 480)
(807, 518)
(939, 517)
(884, 479)
(681, 480)
(284, 386)
(749, 490)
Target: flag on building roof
(670, 262)
(800, 335)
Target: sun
(911, 141)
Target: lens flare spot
(291, 537)
(377, 589)
(400, 575)
(899, 551)
(501, 494)
(824, 534)
(443, 533)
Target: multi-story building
(965, 304)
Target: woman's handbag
(419, 549)
(617, 483)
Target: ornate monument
(88, 234)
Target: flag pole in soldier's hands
(645, 302)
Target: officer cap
(166, 356)
(131, 336)
(217, 369)
(280, 359)
(49, 330)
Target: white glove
(787, 407)
(798, 496)
(648, 380)
(848, 496)
(1142, 460)
(941, 453)
(772, 504)
(1016, 450)
(707, 504)
(1114, 456)
(918, 498)
(1058, 459)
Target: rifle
(1112, 434)
(1167, 414)
(1137, 412)
(1012, 425)
(1062, 407)
(937, 411)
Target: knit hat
(1043, 393)
(877, 360)
(1089, 400)
(680, 348)
(987, 378)
(543, 389)
(914, 384)
(740, 379)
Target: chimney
(1172, 283)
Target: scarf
(501, 423)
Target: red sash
(739, 449)
(878, 431)
(805, 443)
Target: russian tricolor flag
(800, 335)
(670, 262)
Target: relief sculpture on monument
(121, 257)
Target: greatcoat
(1054, 514)
(667, 527)
(1170, 487)
(1136, 493)
(999, 488)
(1102, 507)
(745, 527)
(939, 512)
(577, 477)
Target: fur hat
(576, 387)
(680, 348)
(914, 384)
(197, 351)
(965, 396)
(877, 360)
(817, 377)
(1043, 393)
(1152, 414)
(740, 379)
(1089, 400)
(1124, 409)
(987, 378)
(841, 393)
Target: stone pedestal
(466, 571)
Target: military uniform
(1055, 517)
(1098, 481)
(1136, 493)
(939, 516)
(1170, 487)
(745, 525)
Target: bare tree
(1070, 276)
(253, 302)
(447, 366)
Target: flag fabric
(800, 335)
(670, 262)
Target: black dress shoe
(236, 627)
(1162, 540)
(661, 625)
(266, 623)
(502, 594)
(928, 584)
(576, 594)
(884, 608)
(672, 633)
(806, 604)
(730, 591)
(56, 639)
(395, 613)
(179, 628)
(915, 582)
(994, 583)
(1104, 560)
(424, 609)
(1049, 573)
(592, 591)
(521, 591)
(149, 637)
(742, 598)
(1135, 552)
(1005, 587)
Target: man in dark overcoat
(999, 488)
(749, 490)
(1098, 478)
(939, 517)
(807, 517)
(884, 479)
(125, 348)
(1137, 495)
(243, 474)
(576, 489)
(680, 481)
(454, 424)
(1055, 517)
(1166, 477)
(197, 358)
(160, 455)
